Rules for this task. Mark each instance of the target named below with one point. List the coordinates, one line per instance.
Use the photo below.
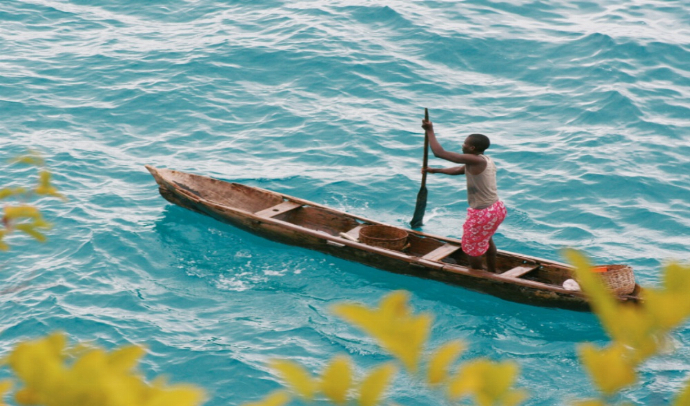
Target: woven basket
(384, 237)
(619, 278)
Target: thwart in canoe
(299, 222)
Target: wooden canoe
(294, 221)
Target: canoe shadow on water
(215, 250)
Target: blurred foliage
(403, 335)
(638, 331)
(393, 325)
(46, 371)
(17, 214)
(52, 374)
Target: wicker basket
(619, 278)
(384, 237)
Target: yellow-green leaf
(359, 316)
(466, 382)
(373, 386)
(277, 398)
(5, 386)
(515, 397)
(45, 188)
(503, 375)
(393, 325)
(669, 306)
(442, 359)
(30, 229)
(27, 397)
(602, 301)
(634, 326)
(95, 378)
(179, 395)
(11, 191)
(126, 358)
(677, 278)
(337, 379)
(405, 339)
(589, 402)
(296, 377)
(488, 382)
(667, 309)
(610, 368)
(22, 211)
(394, 305)
(683, 398)
(38, 363)
(30, 159)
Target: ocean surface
(587, 104)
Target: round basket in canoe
(383, 236)
(619, 278)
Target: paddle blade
(417, 219)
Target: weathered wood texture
(306, 224)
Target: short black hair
(480, 141)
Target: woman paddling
(486, 211)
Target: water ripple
(586, 104)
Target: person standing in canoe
(486, 211)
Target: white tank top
(481, 189)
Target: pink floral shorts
(480, 226)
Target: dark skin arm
(473, 162)
(457, 170)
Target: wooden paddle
(417, 219)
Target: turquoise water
(587, 105)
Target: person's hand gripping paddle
(417, 219)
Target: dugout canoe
(299, 222)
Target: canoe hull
(527, 292)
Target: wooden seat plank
(520, 271)
(278, 209)
(441, 252)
